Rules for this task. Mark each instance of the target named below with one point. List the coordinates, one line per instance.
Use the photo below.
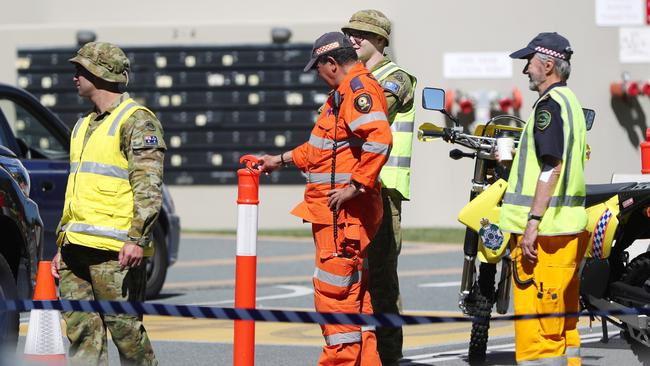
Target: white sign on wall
(634, 45)
(477, 65)
(613, 13)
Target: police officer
(354, 124)
(112, 202)
(544, 207)
(369, 31)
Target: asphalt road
(429, 275)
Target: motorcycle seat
(597, 193)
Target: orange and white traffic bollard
(44, 341)
(245, 277)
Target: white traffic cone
(44, 344)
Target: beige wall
(422, 33)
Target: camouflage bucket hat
(370, 20)
(104, 60)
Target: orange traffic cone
(44, 344)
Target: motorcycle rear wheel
(483, 300)
(638, 271)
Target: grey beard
(534, 85)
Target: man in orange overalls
(344, 188)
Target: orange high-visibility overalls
(363, 144)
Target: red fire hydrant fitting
(645, 153)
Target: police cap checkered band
(546, 51)
(326, 43)
(551, 44)
(327, 48)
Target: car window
(30, 129)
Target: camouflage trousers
(93, 274)
(384, 284)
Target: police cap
(551, 44)
(327, 43)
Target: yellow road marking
(294, 279)
(164, 328)
(412, 249)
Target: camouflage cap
(369, 20)
(104, 60)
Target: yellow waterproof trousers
(550, 285)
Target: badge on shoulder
(542, 119)
(391, 87)
(150, 140)
(363, 103)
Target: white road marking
(458, 354)
(440, 284)
(296, 291)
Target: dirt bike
(618, 213)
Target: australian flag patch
(391, 86)
(151, 140)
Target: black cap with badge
(548, 43)
(326, 43)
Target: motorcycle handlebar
(425, 134)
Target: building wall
(422, 33)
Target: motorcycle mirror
(590, 116)
(433, 99)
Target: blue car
(42, 143)
(21, 245)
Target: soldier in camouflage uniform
(112, 203)
(369, 31)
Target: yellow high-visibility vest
(566, 212)
(396, 173)
(98, 198)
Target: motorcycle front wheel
(482, 301)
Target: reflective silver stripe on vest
(387, 69)
(368, 328)
(546, 361)
(523, 200)
(77, 126)
(96, 230)
(402, 127)
(326, 178)
(376, 147)
(569, 151)
(342, 338)
(327, 144)
(523, 158)
(367, 118)
(398, 161)
(119, 116)
(101, 169)
(573, 352)
(336, 280)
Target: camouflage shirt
(145, 166)
(400, 96)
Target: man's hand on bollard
(269, 163)
(130, 255)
